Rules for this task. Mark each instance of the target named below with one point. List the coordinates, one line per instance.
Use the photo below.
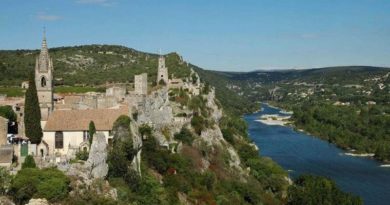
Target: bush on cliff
(48, 183)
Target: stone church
(65, 130)
(44, 81)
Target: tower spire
(44, 44)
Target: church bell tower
(44, 80)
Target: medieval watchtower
(162, 73)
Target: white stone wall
(72, 138)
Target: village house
(66, 130)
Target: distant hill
(91, 65)
(346, 74)
(88, 65)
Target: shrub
(145, 130)
(5, 181)
(198, 123)
(82, 155)
(132, 179)
(29, 162)
(185, 136)
(7, 112)
(48, 183)
(228, 135)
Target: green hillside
(348, 106)
(88, 65)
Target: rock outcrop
(156, 109)
(216, 112)
(98, 156)
(38, 202)
(6, 201)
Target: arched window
(43, 81)
(59, 140)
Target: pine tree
(91, 131)
(32, 113)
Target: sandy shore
(274, 120)
(360, 155)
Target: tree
(310, 189)
(29, 162)
(7, 112)
(91, 131)
(32, 113)
(5, 181)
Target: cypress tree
(91, 131)
(32, 113)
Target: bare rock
(6, 201)
(38, 202)
(98, 156)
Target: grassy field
(12, 91)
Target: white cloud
(48, 17)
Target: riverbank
(274, 120)
(347, 150)
(302, 153)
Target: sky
(230, 35)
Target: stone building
(3, 130)
(67, 130)
(141, 84)
(119, 92)
(162, 72)
(44, 80)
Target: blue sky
(214, 34)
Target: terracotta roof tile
(78, 120)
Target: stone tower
(44, 80)
(162, 73)
(141, 84)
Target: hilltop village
(165, 140)
(181, 114)
(65, 119)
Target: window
(85, 136)
(43, 81)
(59, 140)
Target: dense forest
(360, 128)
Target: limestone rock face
(216, 113)
(156, 109)
(38, 202)
(121, 134)
(6, 201)
(212, 136)
(98, 156)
